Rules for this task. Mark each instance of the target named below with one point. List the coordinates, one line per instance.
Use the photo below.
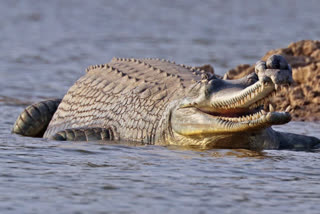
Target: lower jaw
(227, 125)
(267, 120)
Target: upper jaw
(250, 97)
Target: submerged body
(159, 102)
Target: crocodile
(160, 102)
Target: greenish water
(46, 45)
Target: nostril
(273, 64)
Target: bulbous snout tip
(276, 70)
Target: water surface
(46, 45)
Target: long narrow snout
(236, 105)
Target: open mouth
(249, 106)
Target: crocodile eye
(204, 76)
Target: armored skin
(159, 102)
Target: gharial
(160, 102)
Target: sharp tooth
(268, 115)
(263, 112)
(291, 111)
(271, 109)
(276, 86)
(288, 108)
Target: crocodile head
(225, 112)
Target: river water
(46, 45)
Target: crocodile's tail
(34, 119)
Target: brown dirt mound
(304, 94)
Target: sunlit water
(46, 45)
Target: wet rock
(304, 94)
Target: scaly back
(129, 96)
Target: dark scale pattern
(129, 96)
(34, 120)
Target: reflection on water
(46, 45)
